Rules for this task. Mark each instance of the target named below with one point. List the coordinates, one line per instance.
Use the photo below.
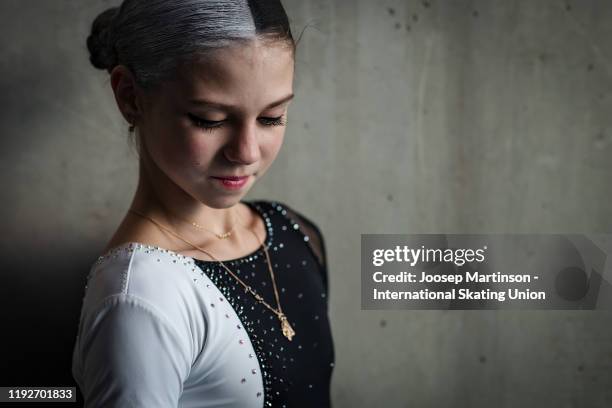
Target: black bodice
(295, 373)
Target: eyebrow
(225, 106)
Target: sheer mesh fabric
(316, 242)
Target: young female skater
(202, 299)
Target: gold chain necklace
(286, 328)
(223, 235)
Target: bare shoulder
(135, 229)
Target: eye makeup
(210, 125)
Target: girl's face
(223, 115)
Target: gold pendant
(288, 331)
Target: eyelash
(211, 125)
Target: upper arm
(131, 356)
(315, 241)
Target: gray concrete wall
(411, 117)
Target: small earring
(132, 126)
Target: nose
(243, 147)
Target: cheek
(273, 145)
(269, 150)
(191, 145)
(198, 152)
(181, 149)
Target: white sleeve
(131, 356)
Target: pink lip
(231, 177)
(232, 183)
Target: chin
(220, 201)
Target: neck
(168, 203)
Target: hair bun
(101, 51)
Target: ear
(127, 94)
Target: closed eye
(213, 124)
(277, 121)
(203, 123)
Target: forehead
(252, 74)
